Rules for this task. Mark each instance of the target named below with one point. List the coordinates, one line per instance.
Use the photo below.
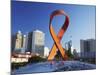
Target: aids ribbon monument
(57, 38)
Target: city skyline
(29, 16)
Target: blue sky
(29, 16)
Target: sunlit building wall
(38, 39)
(18, 43)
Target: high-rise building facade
(29, 42)
(38, 39)
(46, 51)
(88, 48)
(13, 40)
(18, 42)
(24, 44)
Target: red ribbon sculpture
(57, 38)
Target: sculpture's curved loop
(57, 38)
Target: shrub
(35, 59)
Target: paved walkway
(56, 66)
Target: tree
(35, 59)
(58, 55)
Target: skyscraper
(38, 39)
(13, 40)
(46, 51)
(88, 48)
(24, 44)
(18, 42)
(29, 42)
